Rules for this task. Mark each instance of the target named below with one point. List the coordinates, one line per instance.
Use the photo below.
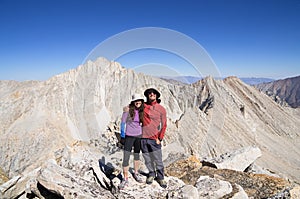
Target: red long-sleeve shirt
(155, 121)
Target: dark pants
(130, 142)
(153, 158)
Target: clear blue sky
(253, 38)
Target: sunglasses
(151, 92)
(138, 103)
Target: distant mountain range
(255, 80)
(193, 79)
(182, 79)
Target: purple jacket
(131, 127)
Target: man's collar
(153, 102)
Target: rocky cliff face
(285, 91)
(205, 119)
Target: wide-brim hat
(151, 90)
(136, 97)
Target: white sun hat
(136, 97)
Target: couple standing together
(143, 127)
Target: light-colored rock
(6, 191)
(189, 192)
(17, 185)
(67, 183)
(32, 188)
(237, 160)
(143, 190)
(295, 193)
(212, 188)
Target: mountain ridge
(193, 79)
(206, 118)
(283, 90)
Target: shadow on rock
(110, 172)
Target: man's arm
(164, 124)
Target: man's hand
(125, 108)
(158, 141)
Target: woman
(131, 133)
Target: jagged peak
(90, 68)
(100, 63)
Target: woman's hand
(122, 141)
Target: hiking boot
(137, 177)
(123, 184)
(162, 183)
(150, 179)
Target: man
(154, 127)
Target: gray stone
(189, 192)
(212, 188)
(241, 194)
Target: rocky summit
(225, 139)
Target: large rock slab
(68, 184)
(18, 185)
(238, 160)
